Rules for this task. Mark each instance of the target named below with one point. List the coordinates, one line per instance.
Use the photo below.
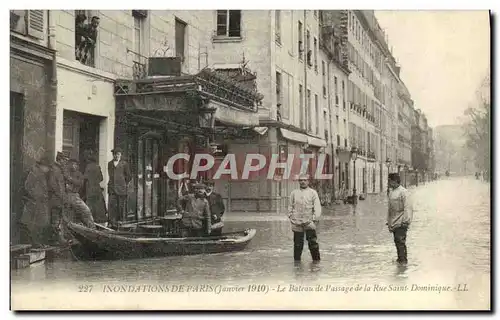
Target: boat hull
(96, 244)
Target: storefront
(31, 113)
(157, 118)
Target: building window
(315, 43)
(180, 39)
(229, 23)
(316, 108)
(278, 96)
(308, 49)
(325, 124)
(139, 65)
(277, 25)
(323, 73)
(29, 22)
(301, 106)
(301, 41)
(308, 110)
(86, 28)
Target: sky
(444, 56)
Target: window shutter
(141, 14)
(36, 23)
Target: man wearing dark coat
(35, 218)
(93, 191)
(74, 183)
(57, 196)
(119, 177)
(217, 208)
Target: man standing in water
(304, 210)
(119, 178)
(399, 215)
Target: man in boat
(57, 196)
(304, 210)
(195, 210)
(35, 218)
(74, 182)
(399, 215)
(119, 177)
(217, 208)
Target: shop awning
(293, 136)
(234, 117)
(317, 142)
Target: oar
(104, 227)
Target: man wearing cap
(35, 218)
(57, 195)
(74, 183)
(195, 210)
(119, 177)
(217, 207)
(304, 210)
(399, 215)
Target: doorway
(80, 135)
(16, 154)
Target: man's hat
(61, 155)
(45, 161)
(199, 186)
(394, 177)
(116, 150)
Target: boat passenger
(195, 211)
(217, 207)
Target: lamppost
(406, 171)
(354, 156)
(388, 163)
(416, 176)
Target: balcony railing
(139, 70)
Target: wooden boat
(96, 244)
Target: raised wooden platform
(23, 255)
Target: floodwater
(448, 245)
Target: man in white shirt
(399, 215)
(304, 210)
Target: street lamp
(388, 163)
(354, 156)
(416, 176)
(406, 170)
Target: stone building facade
(32, 105)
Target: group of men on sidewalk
(56, 193)
(304, 211)
(51, 198)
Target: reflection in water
(448, 243)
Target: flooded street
(448, 245)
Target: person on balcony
(86, 36)
(195, 211)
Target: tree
(477, 128)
